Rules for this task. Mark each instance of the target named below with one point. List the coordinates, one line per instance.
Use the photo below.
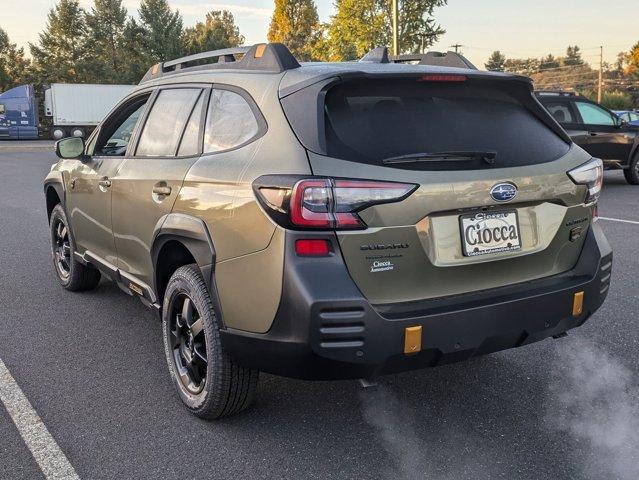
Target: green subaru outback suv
(330, 220)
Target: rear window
(371, 120)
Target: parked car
(629, 116)
(330, 221)
(597, 130)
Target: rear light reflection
(313, 248)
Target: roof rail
(440, 59)
(266, 57)
(376, 55)
(448, 59)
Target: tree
(13, 64)
(360, 25)
(104, 41)
(522, 66)
(217, 31)
(135, 62)
(496, 62)
(59, 53)
(573, 56)
(632, 62)
(549, 62)
(162, 28)
(295, 23)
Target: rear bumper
(325, 328)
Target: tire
(209, 383)
(58, 133)
(632, 172)
(72, 275)
(77, 132)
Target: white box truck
(76, 109)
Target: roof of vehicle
(275, 58)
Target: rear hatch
(492, 205)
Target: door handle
(162, 190)
(593, 134)
(105, 183)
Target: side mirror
(70, 147)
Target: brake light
(325, 203)
(313, 248)
(443, 78)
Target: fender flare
(55, 180)
(193, 233)
(188, 230)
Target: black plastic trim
(326, 329)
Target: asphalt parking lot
(92, 367)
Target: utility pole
(457, 46)
(395, 27)
(600, 90)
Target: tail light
(324, 203)
(591, 175)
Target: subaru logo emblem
(503, 192)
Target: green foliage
(13, 64)
(104, 41)
(573, 56)
(217, 31)
(618, 100)
(522, 66)
(496, 62)
(162, 27)
(295, 23)
(58, 56)
(360, 25)
(549, 62)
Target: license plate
(490, 232)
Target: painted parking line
(619, 220)
(53, 463)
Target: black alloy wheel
(188, 343)
(62, 248)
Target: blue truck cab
(19, 113)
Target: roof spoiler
(267, 57)
(439, 59)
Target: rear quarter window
(230, 122)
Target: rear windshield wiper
(487, 156)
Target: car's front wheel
(632, 172)
(72, 274)
(208, 382)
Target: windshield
(371, 120)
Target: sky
(519, 28)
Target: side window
(115, 134)
(191, 140)
(230, 122)
(166, 122)
(633, 116)
(561, 112)
(594, 115)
